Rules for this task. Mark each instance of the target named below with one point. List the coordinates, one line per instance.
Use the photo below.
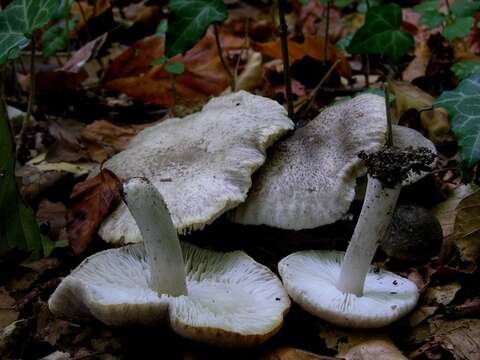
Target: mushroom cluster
(225, 299)
(343, 288)
(202, 164)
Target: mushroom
(201, 164)
(343, 288)
(310, 178)
(224, 299)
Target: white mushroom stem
(375, 217)
(162, 246)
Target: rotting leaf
(90, 202)
(289, 353)
(467, 227)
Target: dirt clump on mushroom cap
(392, 165)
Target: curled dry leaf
(311, 46)
(84, 11)
(132, 74)
(251, 76)
(434, 122)
(90, 202)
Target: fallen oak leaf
(90, 202)
(374, 350)
(418, 66)
(467, 227)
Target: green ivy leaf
(18, 22)
(459, 28)
(56, 37)
(175, 68)
(466, 68)
(432, 20)
(188, 22)
(18, 227)
(463, 106)
(464, 8)
(363, 5)
(382, 34)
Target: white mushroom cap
(201, 164)
(232, 300)
(310, 178)
(310, 279)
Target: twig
(389, 116)
(367, 71)
(220, 54)
(314, 94)
(286, 65)
(174, 92)
(31, 96)
(245, 46)
(327, 26)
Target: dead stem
(286, 65)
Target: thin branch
(316, 91)
(327, 27)
(286, 65)
(389, 116)
(367, 70)
(31, 96)
(220, 54)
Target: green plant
(463, 106)
(381, 34)
(456, 22)
(18, 227)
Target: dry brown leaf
(374, 350)
(132, 74)
(104, 139)
(311, 46)
(287, 353)
(445, 211)
(459, 337)
(68, 146)
(431, 301)
(7, 313)
(342, 340)
(90, 202)
(467, 227)
(418, 66)
(70, 76)
(434, 122)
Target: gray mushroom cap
(310, 178)
(201, 164)
(232, 300)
